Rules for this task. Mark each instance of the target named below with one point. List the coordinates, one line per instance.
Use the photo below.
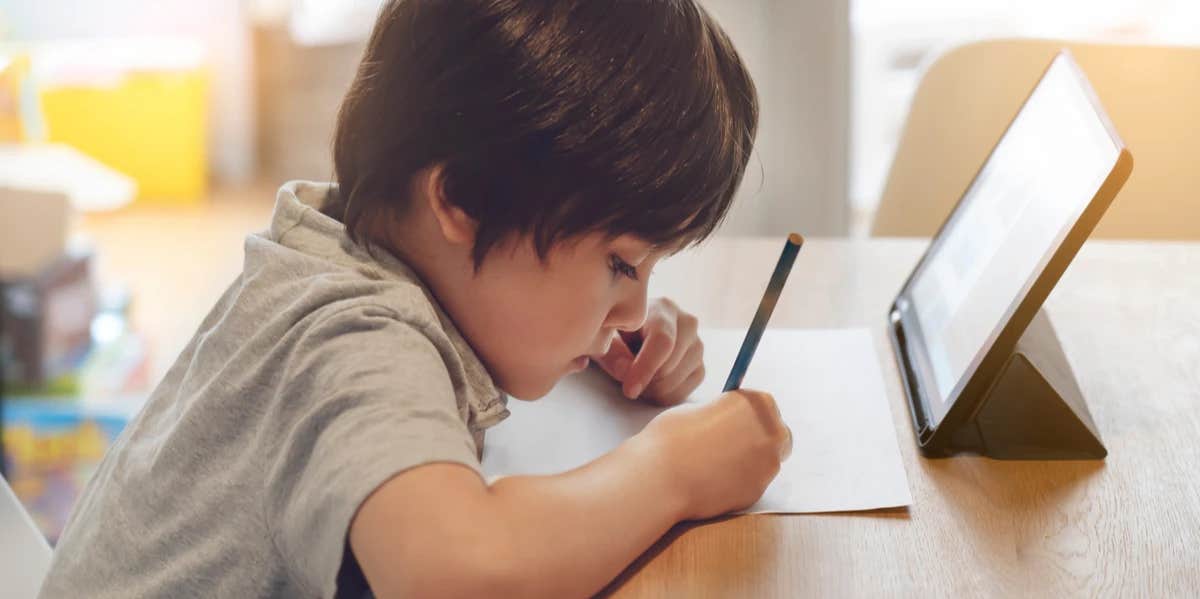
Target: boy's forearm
(572, 533)
(438, 531)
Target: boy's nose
(629, 313)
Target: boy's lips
(580, 363)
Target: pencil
(765, 308)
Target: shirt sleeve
(364, 397)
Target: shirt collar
(296, 206)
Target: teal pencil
(765, 308)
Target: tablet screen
(1038, 180)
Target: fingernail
(621, 367)
(635, 392)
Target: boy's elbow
(435, 531)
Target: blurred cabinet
(299, 89)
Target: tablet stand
(1033, 409)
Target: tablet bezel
(904, 330)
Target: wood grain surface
(1128, 315)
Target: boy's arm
(439, 531)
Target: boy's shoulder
(308, 256)
(304, 270)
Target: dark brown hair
(552, 118)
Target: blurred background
(140, 142)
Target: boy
(509, 172)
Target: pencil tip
(796, 238)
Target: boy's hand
(722, 454)
(663, 361)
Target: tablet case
(1033, 409)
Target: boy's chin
(530, 390)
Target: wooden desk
(1128, 315)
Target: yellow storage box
(138, 109)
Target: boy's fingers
(656, 348)
(686, 345)
(683, 391)
(616, 360)
(669, 377)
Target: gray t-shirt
(321, 373)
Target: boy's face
(533, 322)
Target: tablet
(1037, 197)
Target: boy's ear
(456, 225)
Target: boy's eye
(620, 267)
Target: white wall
(798, 53)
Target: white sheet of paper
(829, 389)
